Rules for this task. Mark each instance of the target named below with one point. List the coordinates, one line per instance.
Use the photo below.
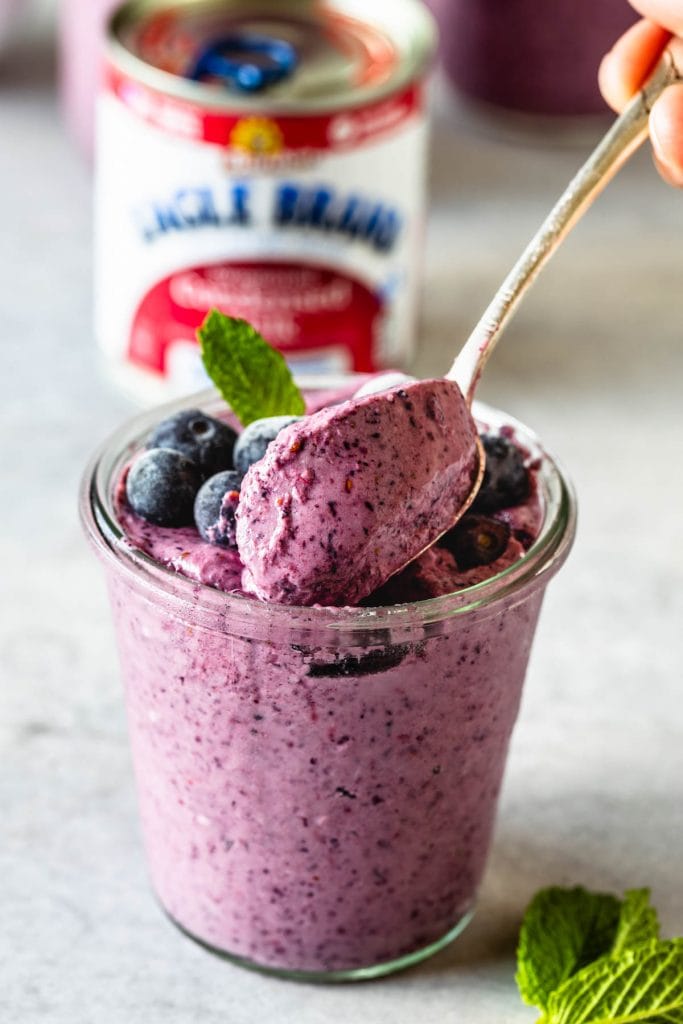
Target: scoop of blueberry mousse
(193, 465)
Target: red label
(298, 308)
(264, 135)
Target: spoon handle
(622, 139)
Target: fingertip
(666, 134)
(670, 177)
(668, 13)
(611, 82)
(624, 69)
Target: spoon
(352, 494)
(623, 138)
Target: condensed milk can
(267, 159)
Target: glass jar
(318, 786)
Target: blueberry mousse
(193, 472)
(322, 671)
(314, 804)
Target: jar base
(348, 974)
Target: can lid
(245, 61)
(294, 55)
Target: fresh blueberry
(215, 507)
(476, 540)
(506, 480)
(161, 486)
(252, 442)
(206, 441)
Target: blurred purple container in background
(81, 36)
(535, 56)
(7, 12)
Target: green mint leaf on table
(589, 958)
(638, 922)
(643, 985)
(252, 377)
(563, 930)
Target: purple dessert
(318, 785)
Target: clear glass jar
(318, 786)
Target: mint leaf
(252, 377)
(562, 931)
(643, 985)
(638, 921)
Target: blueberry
(368, 664)
(506, 480)
(161, 486)
(476, 540)
(199, 437)
(215, 507)
(252, 442)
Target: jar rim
(212, 607)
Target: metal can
(267, 158)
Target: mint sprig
(590, 958)
(563, 930)
(638, 922)
(643, 985)
(252, 377)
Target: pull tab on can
(248, 62)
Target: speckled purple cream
(344, 498)
(313, 801)
(315, 809)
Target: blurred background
(593, 362)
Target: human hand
(628, 64)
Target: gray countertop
(594, 788)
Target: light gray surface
(594, 790)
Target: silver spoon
(625, 136)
